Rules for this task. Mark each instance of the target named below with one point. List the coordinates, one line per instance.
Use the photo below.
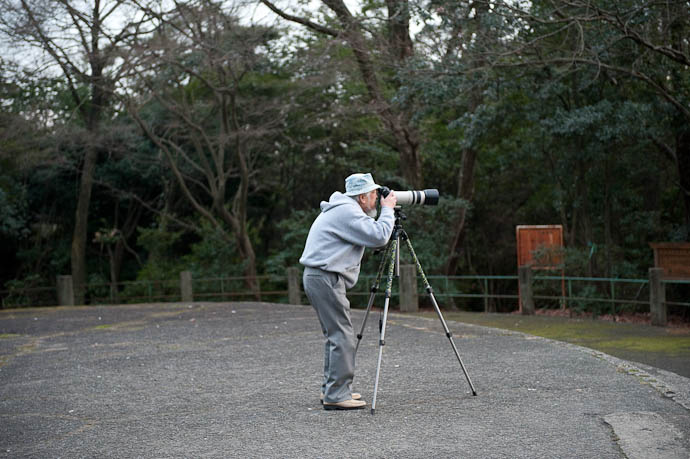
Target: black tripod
(391, 260)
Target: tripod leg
(391, 268)
(374, 289)
(450, 338)
(438, 312)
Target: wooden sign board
(673, 258)
(539, 246)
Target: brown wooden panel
(533, 238)
(673, 258)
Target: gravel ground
(242, 380)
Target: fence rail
(550, 291)
(554, 291)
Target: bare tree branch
(305, 22)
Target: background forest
(141, 138)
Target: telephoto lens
(413, 197)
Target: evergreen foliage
(519, 113)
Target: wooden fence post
(186, 291)
(409, 299)
(525, 277)
(294, 291)
(657, 297)
(65, 291)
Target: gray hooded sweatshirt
(340, 233)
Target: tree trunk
(407, 145)
(578, 203)
(465, 191)
(113, 275)
(238, 223)
(81, 220)
(92, 120)
(247, 251)
(399, 29)
(608, 237)
(239, 206)
(683, 158)
(118, 252)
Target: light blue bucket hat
(359, 183)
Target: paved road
(241, 380)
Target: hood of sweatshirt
(337, 199)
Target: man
(332, 256)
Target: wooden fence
(524, 290)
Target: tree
(628, 42)
(451, 85)
(130, 184)
(477, 47)
(379, 52)
(209, 102)
(81, 42)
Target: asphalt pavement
(217, 380)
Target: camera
(412, 197)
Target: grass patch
(673, 345)
(637, 342)
(9, 335)
(103, 327)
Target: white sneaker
(355, 396)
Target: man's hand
(390, 200)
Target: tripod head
(399, 215)
(398, 231)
